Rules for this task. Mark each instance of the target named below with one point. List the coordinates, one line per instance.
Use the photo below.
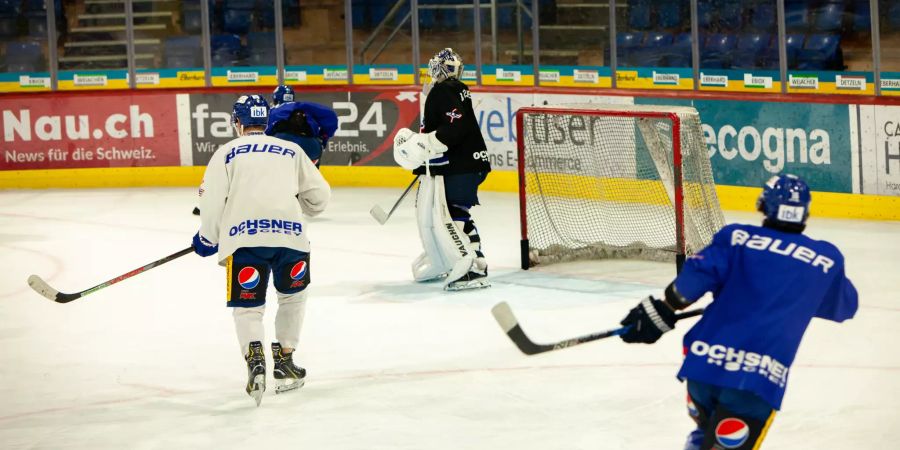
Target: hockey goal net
(614, 181)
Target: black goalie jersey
(448, 110)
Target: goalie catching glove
(411, 149)
(648, 321)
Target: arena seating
(24, 57)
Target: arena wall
(848, 148)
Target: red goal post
(613, 181)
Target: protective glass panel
(437, 21)
(167, 44)
(242, 43)
(93, 52)
(315, 41)
(829, 46)
(574, 44)
(382, 42)
(653, 45)
(507, 48)
(24, 63)
(738, 45)
(890, 47)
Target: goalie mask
(445, 64)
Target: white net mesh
(599, 182)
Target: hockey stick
(381, 216)
(504, 316)
(41, 287)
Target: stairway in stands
(575, 32)
(96, 33)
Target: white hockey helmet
(445, 64)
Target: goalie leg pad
(431, 264)
(451, 241)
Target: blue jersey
(767, 285)
(322, 120)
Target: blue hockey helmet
(251, 111)
(445, 64)
(785, 199)
(282, 94)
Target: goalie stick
(381, 216)
(504, 316)
(41, 287)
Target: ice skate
(471, 280)
(256, 372)
(288, 377)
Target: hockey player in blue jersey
(309, 125)
(767, 284)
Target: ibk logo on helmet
(732, 433)
(248, 278)
(297, 274)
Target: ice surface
(153, 363)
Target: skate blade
(465, 286)
(285, 386)
(259, 386)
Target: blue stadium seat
(237, 16)
(261, 48)
(226, 50)
(639, 14)
(9, 17)
(705, 12)
(731, 15)
(893, 15)
(796, 15)
(763, 16)
(626, 45)
(862, 17)
(829, 17)
(35, 11)
(183, 52)
(679, 54)
(24, 57)
(751, 50)
(191, 18)
(716, 53)
(793, 44)
(653, 51)
(821, 52)
(670, 14)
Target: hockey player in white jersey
(254, 193)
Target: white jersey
(254, 193)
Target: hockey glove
(203, 247)
(648, 321)
(411, 150)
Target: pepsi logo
(248, 278)
(299, 270)
(732, 433)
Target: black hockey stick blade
(510, 325)
(41, 287)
